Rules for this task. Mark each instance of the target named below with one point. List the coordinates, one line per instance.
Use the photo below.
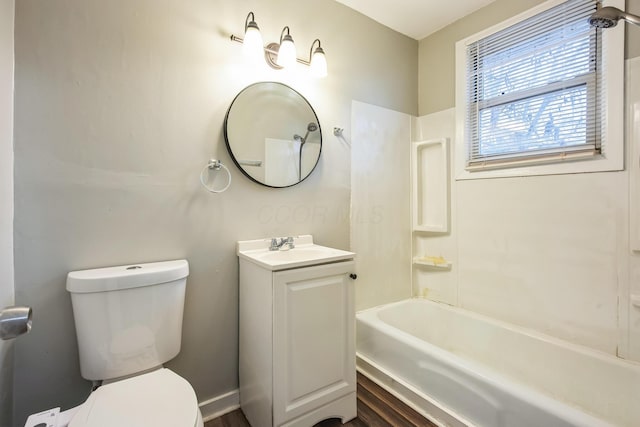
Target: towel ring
(215, 165)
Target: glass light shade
(318, 64)
(287, 53)
(252, 46)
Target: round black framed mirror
(273, 134)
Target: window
(536, 92)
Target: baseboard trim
(220, 405)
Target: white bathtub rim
(371, 315)
(573, 413)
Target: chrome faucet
(283, 244)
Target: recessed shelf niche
(430, 185)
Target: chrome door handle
(14, 321)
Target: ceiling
(415, 18)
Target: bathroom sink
(305, 253)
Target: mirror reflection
(273, 134)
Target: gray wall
(6, 199)
(118, 106)
(437, 52)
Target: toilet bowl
(160, 398)
(128, 323)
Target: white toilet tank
(128, 318)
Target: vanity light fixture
(280, 55)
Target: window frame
(611, 157)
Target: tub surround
(547, 253)
(553, 253)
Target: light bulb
(319, 63)
(252, 46)
(287, 52)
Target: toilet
(128, 323)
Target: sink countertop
(305, 254)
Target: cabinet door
(314, 340)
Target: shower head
(607, 17)
(311, 127)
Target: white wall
(546, 252)
(119, 105)
(380, 233)
(6, 200)
(630, 313)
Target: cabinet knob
(353, 276)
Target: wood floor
(376, 408)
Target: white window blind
(534, 91)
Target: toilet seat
(160, 398)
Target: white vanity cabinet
(297, 343)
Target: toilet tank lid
(126, 276)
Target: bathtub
(459, 368)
